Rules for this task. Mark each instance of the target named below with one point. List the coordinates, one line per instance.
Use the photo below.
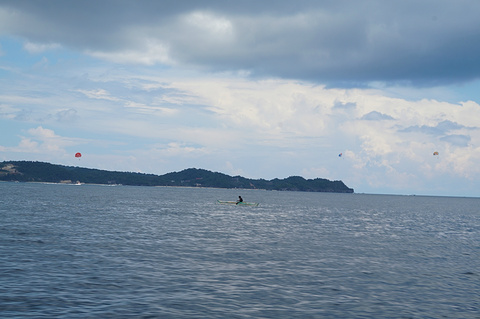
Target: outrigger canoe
(224, 202)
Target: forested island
(28, 171)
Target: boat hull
(224, 202)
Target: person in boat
(240, 199)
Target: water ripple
(139, 252)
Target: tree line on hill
(28, 171)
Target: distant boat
(224, 202)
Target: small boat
(224, 202)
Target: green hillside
(26, 171)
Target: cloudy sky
(262, 89)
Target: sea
(93, 251)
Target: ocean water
(94, 251)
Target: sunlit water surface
(95, 251)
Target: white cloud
(100, 94)
(26, 145)
(66, 115)
(44, 141)
(153, 120)
(456, 139)
(207, 22)
(49, 141)
(175, 149)
(36, 48)
(140, 107)
(7, 111)
(376, 116)
(150, 51)
(42, 133)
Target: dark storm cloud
(426, 42)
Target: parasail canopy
(78, 155)
(435, 153)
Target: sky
(359, 91)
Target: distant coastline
(29, 171)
